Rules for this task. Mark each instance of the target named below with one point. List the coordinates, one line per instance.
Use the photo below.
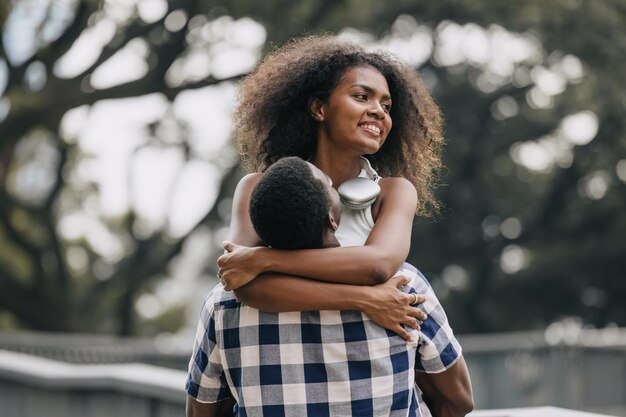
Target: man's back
(328, 363)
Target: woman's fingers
(221, 261)
(229, 246)
(418, 298)
(417, 313)
(398, 310)
(226, 279)
(415, 299)
(402, 332)
(411, 322)
(228, 284)
(401, 280)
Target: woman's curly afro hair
(273, 120)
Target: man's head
(293, 206)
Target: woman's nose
(377, 110)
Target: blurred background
(117, 172)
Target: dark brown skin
(272, 119)
(360, 100)
(273, 292)
(354, 121)
(383, 253)
(218, 409)
(449, 393)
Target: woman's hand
(238, 266)
(390, 307)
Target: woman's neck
(339, 166)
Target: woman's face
(356, 115)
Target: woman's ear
(316, 108)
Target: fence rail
(32, 386)
(508, 370)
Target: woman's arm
(384, 251)
(271, 292)
(385, 304)
(241, 229)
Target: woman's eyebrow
(370, 90)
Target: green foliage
(521, 242)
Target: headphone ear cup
(358, 193)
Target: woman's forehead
(366, 76)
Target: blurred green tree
(533, 96)
(39, 185)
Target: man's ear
(316, 108)
(332, 223)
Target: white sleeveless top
(356, 225)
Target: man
(324, 363)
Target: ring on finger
(415, 299)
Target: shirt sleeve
(437, 349)
(206, 379)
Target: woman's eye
(386, 107)
(361, 96)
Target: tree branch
(172, 92)
(18, 123)
(556, 198)
(46, 213)
(50, 53)
(28, 305)
(3, 54)
(42, 23)
(121, 39)
(4, 13)
(14, 296)
(56, 188)
(145, 86)
(153, 255)
(25, 244)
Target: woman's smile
(373, 128)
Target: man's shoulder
(218, 298)
(418, 280)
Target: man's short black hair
(289, 207)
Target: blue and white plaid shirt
(326, 363)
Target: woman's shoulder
(397, 190)
(248, 181)
(396, 184)
(245, 185)
(253, 176)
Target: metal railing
(33, 386)
(523, 369)
(533, 412)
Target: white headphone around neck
(359, 193)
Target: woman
(332, 103)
